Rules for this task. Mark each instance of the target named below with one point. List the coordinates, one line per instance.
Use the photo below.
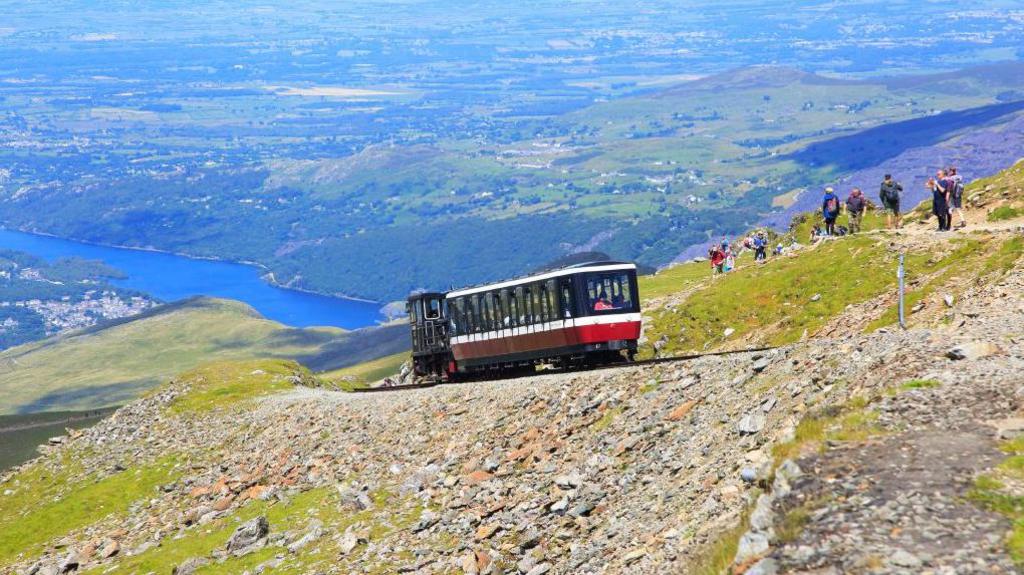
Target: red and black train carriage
(580, 315)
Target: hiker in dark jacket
(890, 196)
(940, 199)
(855, 206)
(830, 211)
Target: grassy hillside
(807, 292)
(114, 363)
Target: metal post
(899, 275)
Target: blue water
(169, 277)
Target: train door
(567, 309)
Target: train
(576, 316)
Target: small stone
(751, 423)
(973, 350)
(751, 545)
(761, 517)
(681, 410)
(427, 520)
(728, 331)
(816, 297)
(760, 365)
(570, 481)
(748, 474)
(111, 549)
(905, 559)
(530, 539)
(478, 476)
(1011, 428)
(468, 563)
(189, 566)
(349, 541)
(69, 563)
(634, 556)
(485, 531)
(766, 566)
(223, 503)
(560, 506)
(315, 532)
(948, 300)
(539, 569)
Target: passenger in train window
(618, 301)
(602, 302)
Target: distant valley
(351, 161)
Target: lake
(170, 277)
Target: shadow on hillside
(334, 351)
(874, 146)
(91, 396)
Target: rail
(652, 361)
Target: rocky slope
(855, 447)
(859, 453)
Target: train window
(433, 308)
(551, 295)
(609, 291)
(541, 314)
(453, 317)
(521, 303)
(527, 306)
(477, 314)
(488, 308)
(460, 316)
(513, 309)
(566, 297)
(506, 315)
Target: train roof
(546, 275)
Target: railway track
(653, 361)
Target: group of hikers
(947, 190)
(723, 255)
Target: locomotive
(575, 316)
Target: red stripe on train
(579, 335)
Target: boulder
(248, 535)
(973, 350)
(189, 566)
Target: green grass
(1003, 213)
(776, 299)
(673, 280)
(607, 419)
(991, 492)
(920, 384)
(966, 257)
(717, 557)
(852, 421)
(227, 383)
(119, 362)
(388, 515)
(48, 507)
(1003, 259)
